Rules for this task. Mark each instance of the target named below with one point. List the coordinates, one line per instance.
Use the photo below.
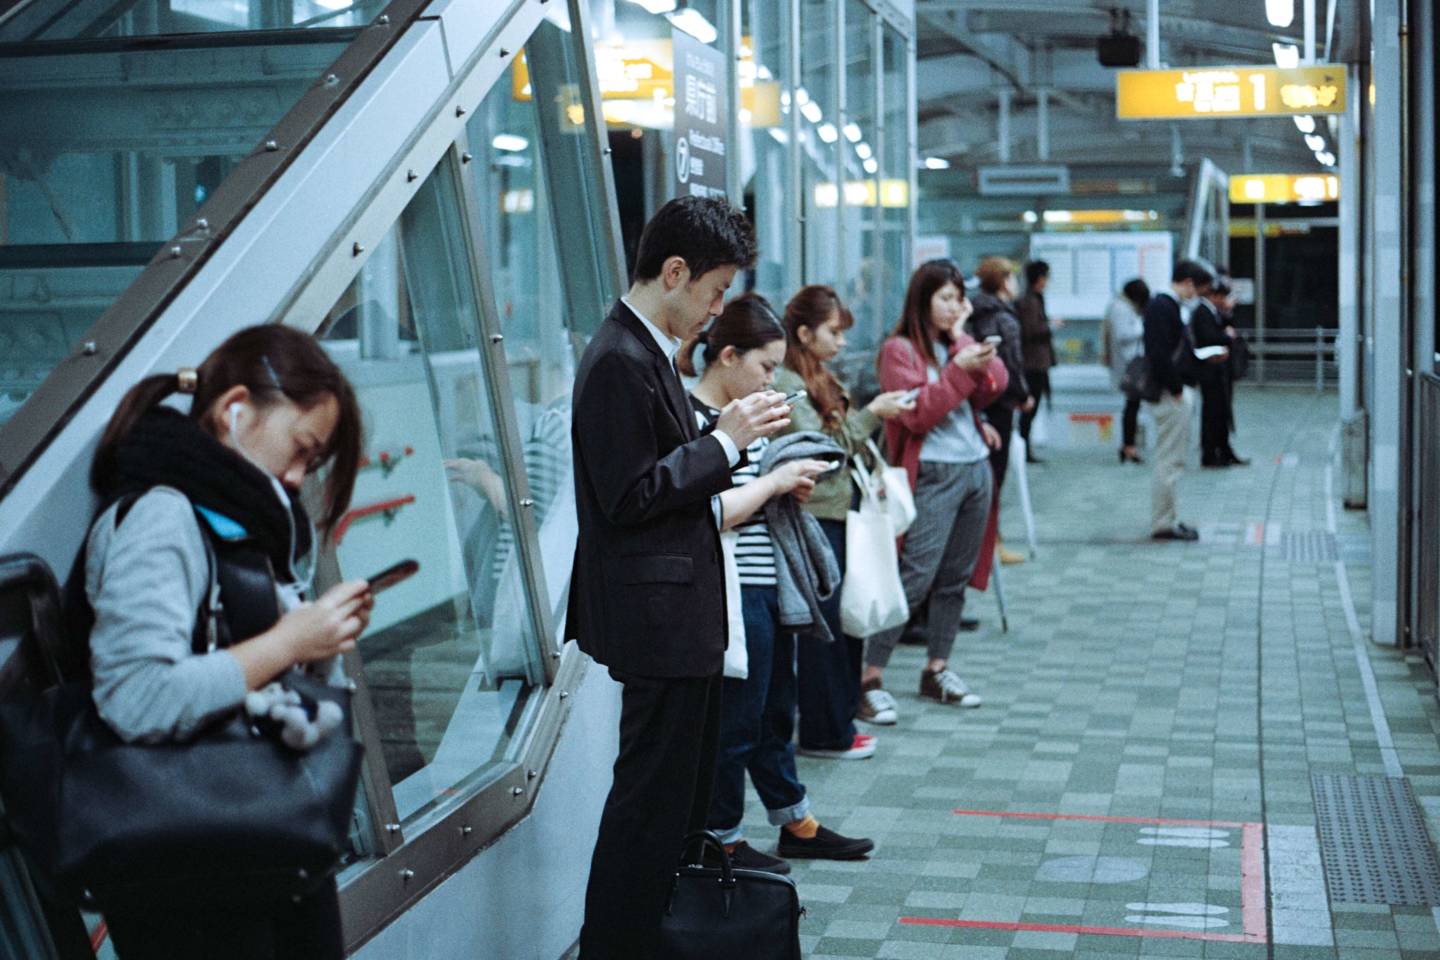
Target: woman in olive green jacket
(829, 673)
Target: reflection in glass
(894, 219)
(451, 656)
(860, 265)
(94, 178)
(765, 146)
(815, 98)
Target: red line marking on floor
(1252, 883)
(1077, 928)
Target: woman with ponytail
(267, 407)
(829, 673)
(743, 348)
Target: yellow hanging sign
(1205, 93)
(1283, 187)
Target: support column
(1002, 129)
(1042, 124)
(1152, 34)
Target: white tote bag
(872, 598)
(737, 660)
(892, 486)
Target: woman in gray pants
(945, 449)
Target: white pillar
(1002, 130)
(1309, 9)
(1042, 124)
(1152, 35)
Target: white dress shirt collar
(668, 345)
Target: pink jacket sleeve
(902, 368)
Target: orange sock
(804, 829)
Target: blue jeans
(829, 673)
(757, 720)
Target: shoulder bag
(724, 913)
(230, 816)
(872, 597)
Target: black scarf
(167, 448)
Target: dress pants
(664, 775)
(757, 724)
(829, 673)
(1002, 418)
(308, 930)
(952, 507)
(1214, 419)
(1130, 422)
(1039, 384)
(1172, 440)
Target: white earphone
(234, 411)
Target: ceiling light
(509, 141)
(693, 22)
(1287, 55)
(827, 132)
(871, 166)
(802, 96)
(1326, 158)
(1280, 13)
(852, 132)
(936, 163)
(1315, 142)
(863, 151)
(656, 6)
(1305, 123)
(811, 111)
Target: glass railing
(61, 20)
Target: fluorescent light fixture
(656, 6)
(509, 141)
(871, 166)
(1287, 55)
(863, 151)
(1030, 216)
(779, 136)
(1315, 142)
(1280, 13)
(811, 111)
(936, 163)
(802, 96)
(693, 22)
(852, 132)
(1326, 158)
(827, 132)
(1305, 123)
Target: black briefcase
(721, 913)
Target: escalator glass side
(68, 20)
(106, 154)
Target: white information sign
(1087, 269)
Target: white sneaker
(861, 748)
(947, 687)
(877, 706)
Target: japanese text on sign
(1212, 92)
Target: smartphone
(995, 339)
(794, 398)
(392, 575)
(830, 467)
(909, 395)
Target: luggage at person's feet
(726, 913)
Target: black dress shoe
(969, 624)
(1214, 463)
(1235, 460)
(1031, 458)
(746, 857)
(1177, 532)
(825, 845)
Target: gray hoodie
(806, 571)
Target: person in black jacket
(647, 593)
(1208, 328)
(1171, 359)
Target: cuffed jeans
(1172, 440)
(952, 506)
(828, 674)
(757, 721)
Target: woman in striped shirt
(742, 350)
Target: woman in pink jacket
(944, 447)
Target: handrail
(388, 507)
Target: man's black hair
(1192, 270)
(707, 232)
(1036, 270)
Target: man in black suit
(1208, 329)
(647, 594)
(1170, 357)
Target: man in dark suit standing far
(647, 593)
(1170, 357)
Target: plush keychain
(299, 721)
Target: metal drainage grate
(1373, 841)
(1311, 546)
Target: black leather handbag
(230, 816)
(721, 913)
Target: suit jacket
(647, 593)
(1039, 341)
(1207, 329)
(1164, 331)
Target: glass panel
(451, 657)
(815, 99)
(859, 168)
(894, 208)
(532, 290)
(94, 177)
(764, 148)
(53, 20)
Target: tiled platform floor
(1126, 707)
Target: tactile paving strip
(1373, 841)
(1311, 546)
